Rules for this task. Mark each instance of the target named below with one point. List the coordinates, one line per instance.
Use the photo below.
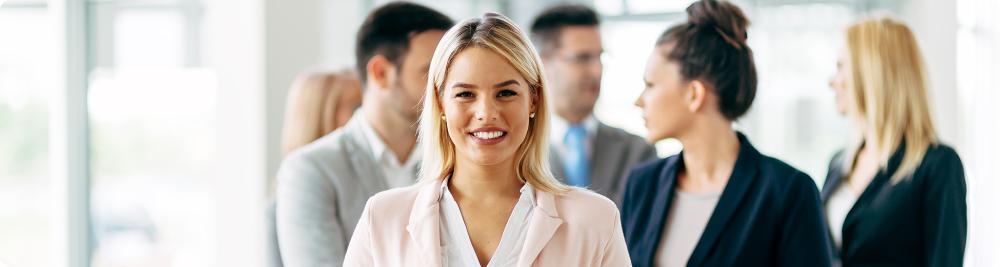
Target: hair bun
(723, 17)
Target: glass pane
(27, 67)
(152, 143)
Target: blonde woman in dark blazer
(896, 195)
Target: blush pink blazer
(401, 227)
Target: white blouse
(456, 246)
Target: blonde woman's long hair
(500, 35)
(311, 108)
(887, 93)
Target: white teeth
(488, 135)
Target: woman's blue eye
(506, 93)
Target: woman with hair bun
(719, 202)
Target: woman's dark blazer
(920, 221)
(769, 214)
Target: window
(151, 108)
(26, 82)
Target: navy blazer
(769, 214)
(920, 221)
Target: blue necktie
(576, 164)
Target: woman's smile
(488, 135)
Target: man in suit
(586, 152)
(323, 187)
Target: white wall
(340, 22)
(978, 65)
(935, 25)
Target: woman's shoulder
(650, 170)
(942, 154)
(585, 198)
(940, 162)
(393, 203)
(783, 176)
(408, 194)
(584, 205)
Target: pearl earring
(532, 115)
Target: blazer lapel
(834, 176)
(833, 181)
(659, 209)
(541, 227)
(875, 186)
(425, 224)
(744, 173)
(366, 170)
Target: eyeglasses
(584, 59)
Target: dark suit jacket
(769, 214)
(920, 221)
(615, 153)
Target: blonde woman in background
(486, 196)
(317, 104)
(896, 195)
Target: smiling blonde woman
(486, 196)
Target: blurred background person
(585, 152)
(322, 187)
(896, 195)
(486, 196)
(318, 103)
(719, 202)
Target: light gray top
(837, 207)
(456, 244)
(688, 216)
(322, 190)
